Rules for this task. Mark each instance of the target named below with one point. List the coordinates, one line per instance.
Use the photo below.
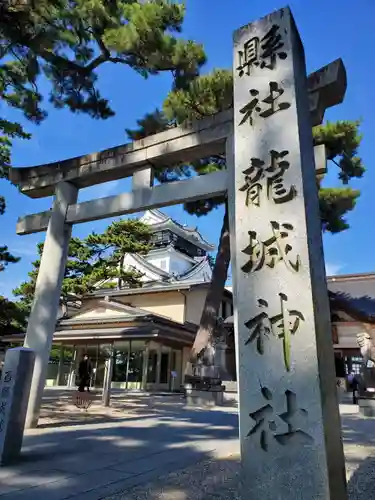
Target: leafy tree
(96, 260)
(67, 41)
(212, 93)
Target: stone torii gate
(288, 408)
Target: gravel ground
(202, 481)
(219, 479)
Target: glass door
(135, 364)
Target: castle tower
(179, 253)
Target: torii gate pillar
(41, 326)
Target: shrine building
(150, 330)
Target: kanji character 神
(263, 111)
(272, 174)
(261, 52)
(282, 326)
(270, 251)
(260, 327)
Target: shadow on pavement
(97, 458)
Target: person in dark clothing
(84, 374)
(355, 385)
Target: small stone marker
(14, 396)
(290, 428)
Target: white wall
(160, 261)
(129, 262)
(178, 264)
(195, 300)
(174, 262)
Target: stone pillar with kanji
(14, 396)
(290, 430)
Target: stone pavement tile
(138, 480)
(23, 468)
(21, 480)
(120, 486)
(161, 460)
(83, 463)
(68, 487)
(89, 462)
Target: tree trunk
(215, 292)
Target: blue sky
(329, 29)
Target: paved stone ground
(59, 411)
(151, 447)
(89, 457)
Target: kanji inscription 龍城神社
(268, 179)
(267, 422)
(261, 52)
(265, 107)
(281, 325)
(270, 251)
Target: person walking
(84, 374)
(353, 381)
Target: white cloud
(333, 268)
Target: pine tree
(12, 317)
(97, 260)
(68, 41)
(212, 93)
(6, 257)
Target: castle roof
(200, 270)
(158, 221)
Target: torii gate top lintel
(184, 143)
(195, 140)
